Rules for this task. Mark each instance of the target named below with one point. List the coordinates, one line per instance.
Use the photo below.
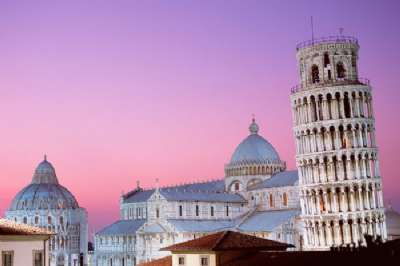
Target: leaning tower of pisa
(337, 157)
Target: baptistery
(47, 204)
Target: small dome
(392, 222)
(44, 192)
(254, 148)
(45, 173)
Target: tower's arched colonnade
(337, 156)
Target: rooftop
(281, 179)
(122, 227)
(166, 261)
(228, 240)
(9, 228)
(329, 39)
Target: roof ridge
(219, 240)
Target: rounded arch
(340, 70)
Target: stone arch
(315, 77)
(340, 70)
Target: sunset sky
(119, 91)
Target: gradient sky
(119, 91)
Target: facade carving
(46, 204)
(337, 157)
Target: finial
(253, 128)
(157, 183)
(137, 184)
(45, 158)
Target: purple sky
(115, 91)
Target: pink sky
(119, 91)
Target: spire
(45, 158)
(157, 184)
(253, 128)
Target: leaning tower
(337, 156)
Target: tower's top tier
(327, 40)
(327, 61)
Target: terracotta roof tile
(8, 227)
(228, 240)
(166, 261)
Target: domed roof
(45, 173)
(254, 148)
(44, 192)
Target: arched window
(237, 186)
(341, 71)
(285, 199)
(227, 210)
(62, 220)
(212, 210)
(25, 220)
(197, 210)
(180, 210)
(157, 213)
(314, 74)
(49, 220)
(36, 220)
(346, 103)
(326, 59)
(271, 201)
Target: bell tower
(336, 153)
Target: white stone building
(257, 197)
(47, 204)
(336, 202)
(337, 156)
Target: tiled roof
(166, 261)
(282, 179)
(153, 228)
(212, 191)
(228, 240)
(138, 195)
(122, 227)
(215, 185)
(203, 196)
(267, 221)
(8, 227)
(184, 225)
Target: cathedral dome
(44, 192)
(254, 149)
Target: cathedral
(47, 204)
(333, 199)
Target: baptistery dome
(47, 204)
(44, 192)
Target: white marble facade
(333, 199)
(265, 204)
(47, 204)
(337, 156)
